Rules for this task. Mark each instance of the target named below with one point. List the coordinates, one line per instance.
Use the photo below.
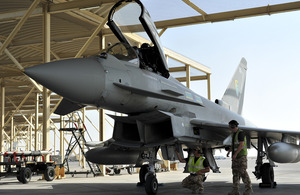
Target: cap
(233, 122)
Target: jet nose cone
(80, 80)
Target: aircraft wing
(254, 132)
(66, 106)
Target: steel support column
(61, 140)
(36, 125)
(208, 87)
(2, 113)
(30, 135)
(102, 134)
(12, 134)
(46, 120)
(83, 134)
(46, 96)
(54, 141)
(101, 111)
(188, 76)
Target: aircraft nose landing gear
(148, 179)
(147, 173)
(151, 185)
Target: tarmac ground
(286, 176)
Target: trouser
(239, 170)
(193, 182)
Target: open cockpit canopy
(130, 16)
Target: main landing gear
(264, 171)
(267, 176)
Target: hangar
(34, 32)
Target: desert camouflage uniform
(193, 182)
(239, 170)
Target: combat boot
(248, 191)
(234, 192)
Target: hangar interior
(39, 31)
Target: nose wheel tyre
(144, 170)
(151, 185)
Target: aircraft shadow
(173, 188)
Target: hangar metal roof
(73, 29)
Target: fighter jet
(161, 112)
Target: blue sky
(271, 46)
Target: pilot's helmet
(145, 45)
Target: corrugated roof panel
(63, 49)
(216, 6)
(13, 5)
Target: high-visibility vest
(194, 167)
(243, 152)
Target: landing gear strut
(264, 171)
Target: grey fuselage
(159, 109)
(123, 100)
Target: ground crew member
(197, 166)
(239, 160)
